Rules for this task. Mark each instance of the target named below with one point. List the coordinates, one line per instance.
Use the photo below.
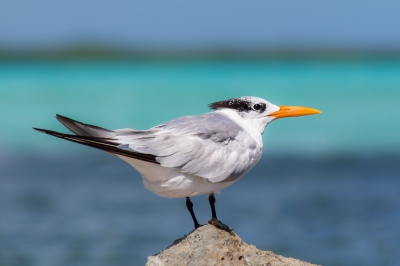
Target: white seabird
(190, 155)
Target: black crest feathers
(238, 104)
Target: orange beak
(290, 111)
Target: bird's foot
(220, 225)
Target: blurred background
(326, 189)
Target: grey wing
(210, 146)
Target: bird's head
(257, 112)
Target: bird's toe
(220, 225)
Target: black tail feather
(105, 144)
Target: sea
(327, 189)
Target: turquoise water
(359, 99)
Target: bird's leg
(214, 221)
(189, 206)
(211, 199)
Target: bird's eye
(257, 107)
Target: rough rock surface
(208, 245)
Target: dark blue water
(93, 210)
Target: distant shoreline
(90, 53)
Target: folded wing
(210, 146)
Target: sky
(177, 25)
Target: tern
(190, 155)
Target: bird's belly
(171, 183)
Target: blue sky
(197, 25)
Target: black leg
(214, 221)
(189, 205)
(211, 199)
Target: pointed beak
(290, 111)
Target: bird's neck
(254, 126)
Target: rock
(208, 245)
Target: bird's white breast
(171, 183)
